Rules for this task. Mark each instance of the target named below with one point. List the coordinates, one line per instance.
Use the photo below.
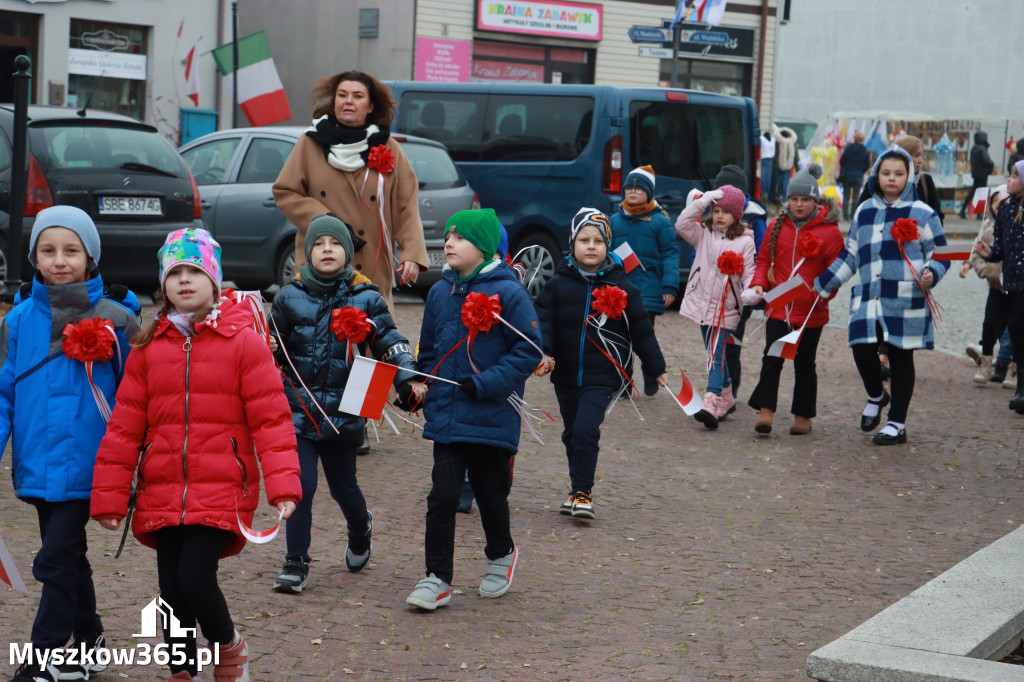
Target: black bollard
(19, 178)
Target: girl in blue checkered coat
(887, 304)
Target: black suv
(120, 171)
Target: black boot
(1017, 403)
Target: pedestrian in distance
(981, 167)
(890, 246)
(803, 241)
(315, 351)
(592, 319)
(853, 164)
(473, 421)
(1008, 247)
(712, 298)
(200, 413)
(48, 406)
(644, 225)
(1001, 370)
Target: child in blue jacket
(47, 403)
(472, 422)
(644, 225)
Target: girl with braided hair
(804, 239)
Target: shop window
(531, 63)
(104, 91)
(18, 36)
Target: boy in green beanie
(473, 425)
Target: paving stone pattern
(714, 556)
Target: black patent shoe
(882, 438)
(364, 447)
(871, 423)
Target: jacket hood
(981, 138)
(909, 190)
(232, 318)
(834, 212)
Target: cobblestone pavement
(714, 555)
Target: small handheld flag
(786, 346)
(979, 200)
(367, 388)
(260, 537)
(787, 292)
(629, 259)
(688, 399)
(8, 571)
(950, 253)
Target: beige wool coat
(308, 186)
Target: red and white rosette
(905, 230)
(91, 341)
(351, 324)
(381, 160)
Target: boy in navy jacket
(472, 422)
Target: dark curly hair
(383, 102)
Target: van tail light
(197, 209)
(37, 193)
(476, 202)
(611, 170)
(759, 184)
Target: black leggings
(901, 383)
(186, 563)
(1004, 310)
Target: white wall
(948, 58)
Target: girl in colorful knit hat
(202, 402)
(723, 265)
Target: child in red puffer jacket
(803, 241)
(201, 397)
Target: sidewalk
(715, 555)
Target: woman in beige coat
(347, 164)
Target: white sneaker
(430, 593)
(985, 370)
(498, 575)
(974, 352)
(1010, 381)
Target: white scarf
(347, 157)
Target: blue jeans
(68, 601)
(339, 462)
(1005, 356)
(767, 177)
(780, 185)
(718, 375)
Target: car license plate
(130, 206)
(436, 259)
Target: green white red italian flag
(260, 92)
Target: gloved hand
(468, 386)
(751, 296)
(711, 196)
(404, 399)
(117, 292)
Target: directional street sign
(650, 34)
(659, 52)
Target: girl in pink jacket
(723, 265)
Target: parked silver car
(236, 169)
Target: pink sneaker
(709, 415)
(234, 662)
(728, 403)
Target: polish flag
(688, 398)
(787, 292)
(949, 253)
(367, 389)
(979, 200)
(629, 259)
(192, 74)
(786, 346)
(709, 11)
(8, 571)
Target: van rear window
(683, 140)
(500, 128)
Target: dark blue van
(537, 153)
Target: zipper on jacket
(187, 347)
(140, 480)
(583, 333)
(241, 468)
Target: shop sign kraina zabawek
(545, 18)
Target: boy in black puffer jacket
(592, 318)
(303, 320)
